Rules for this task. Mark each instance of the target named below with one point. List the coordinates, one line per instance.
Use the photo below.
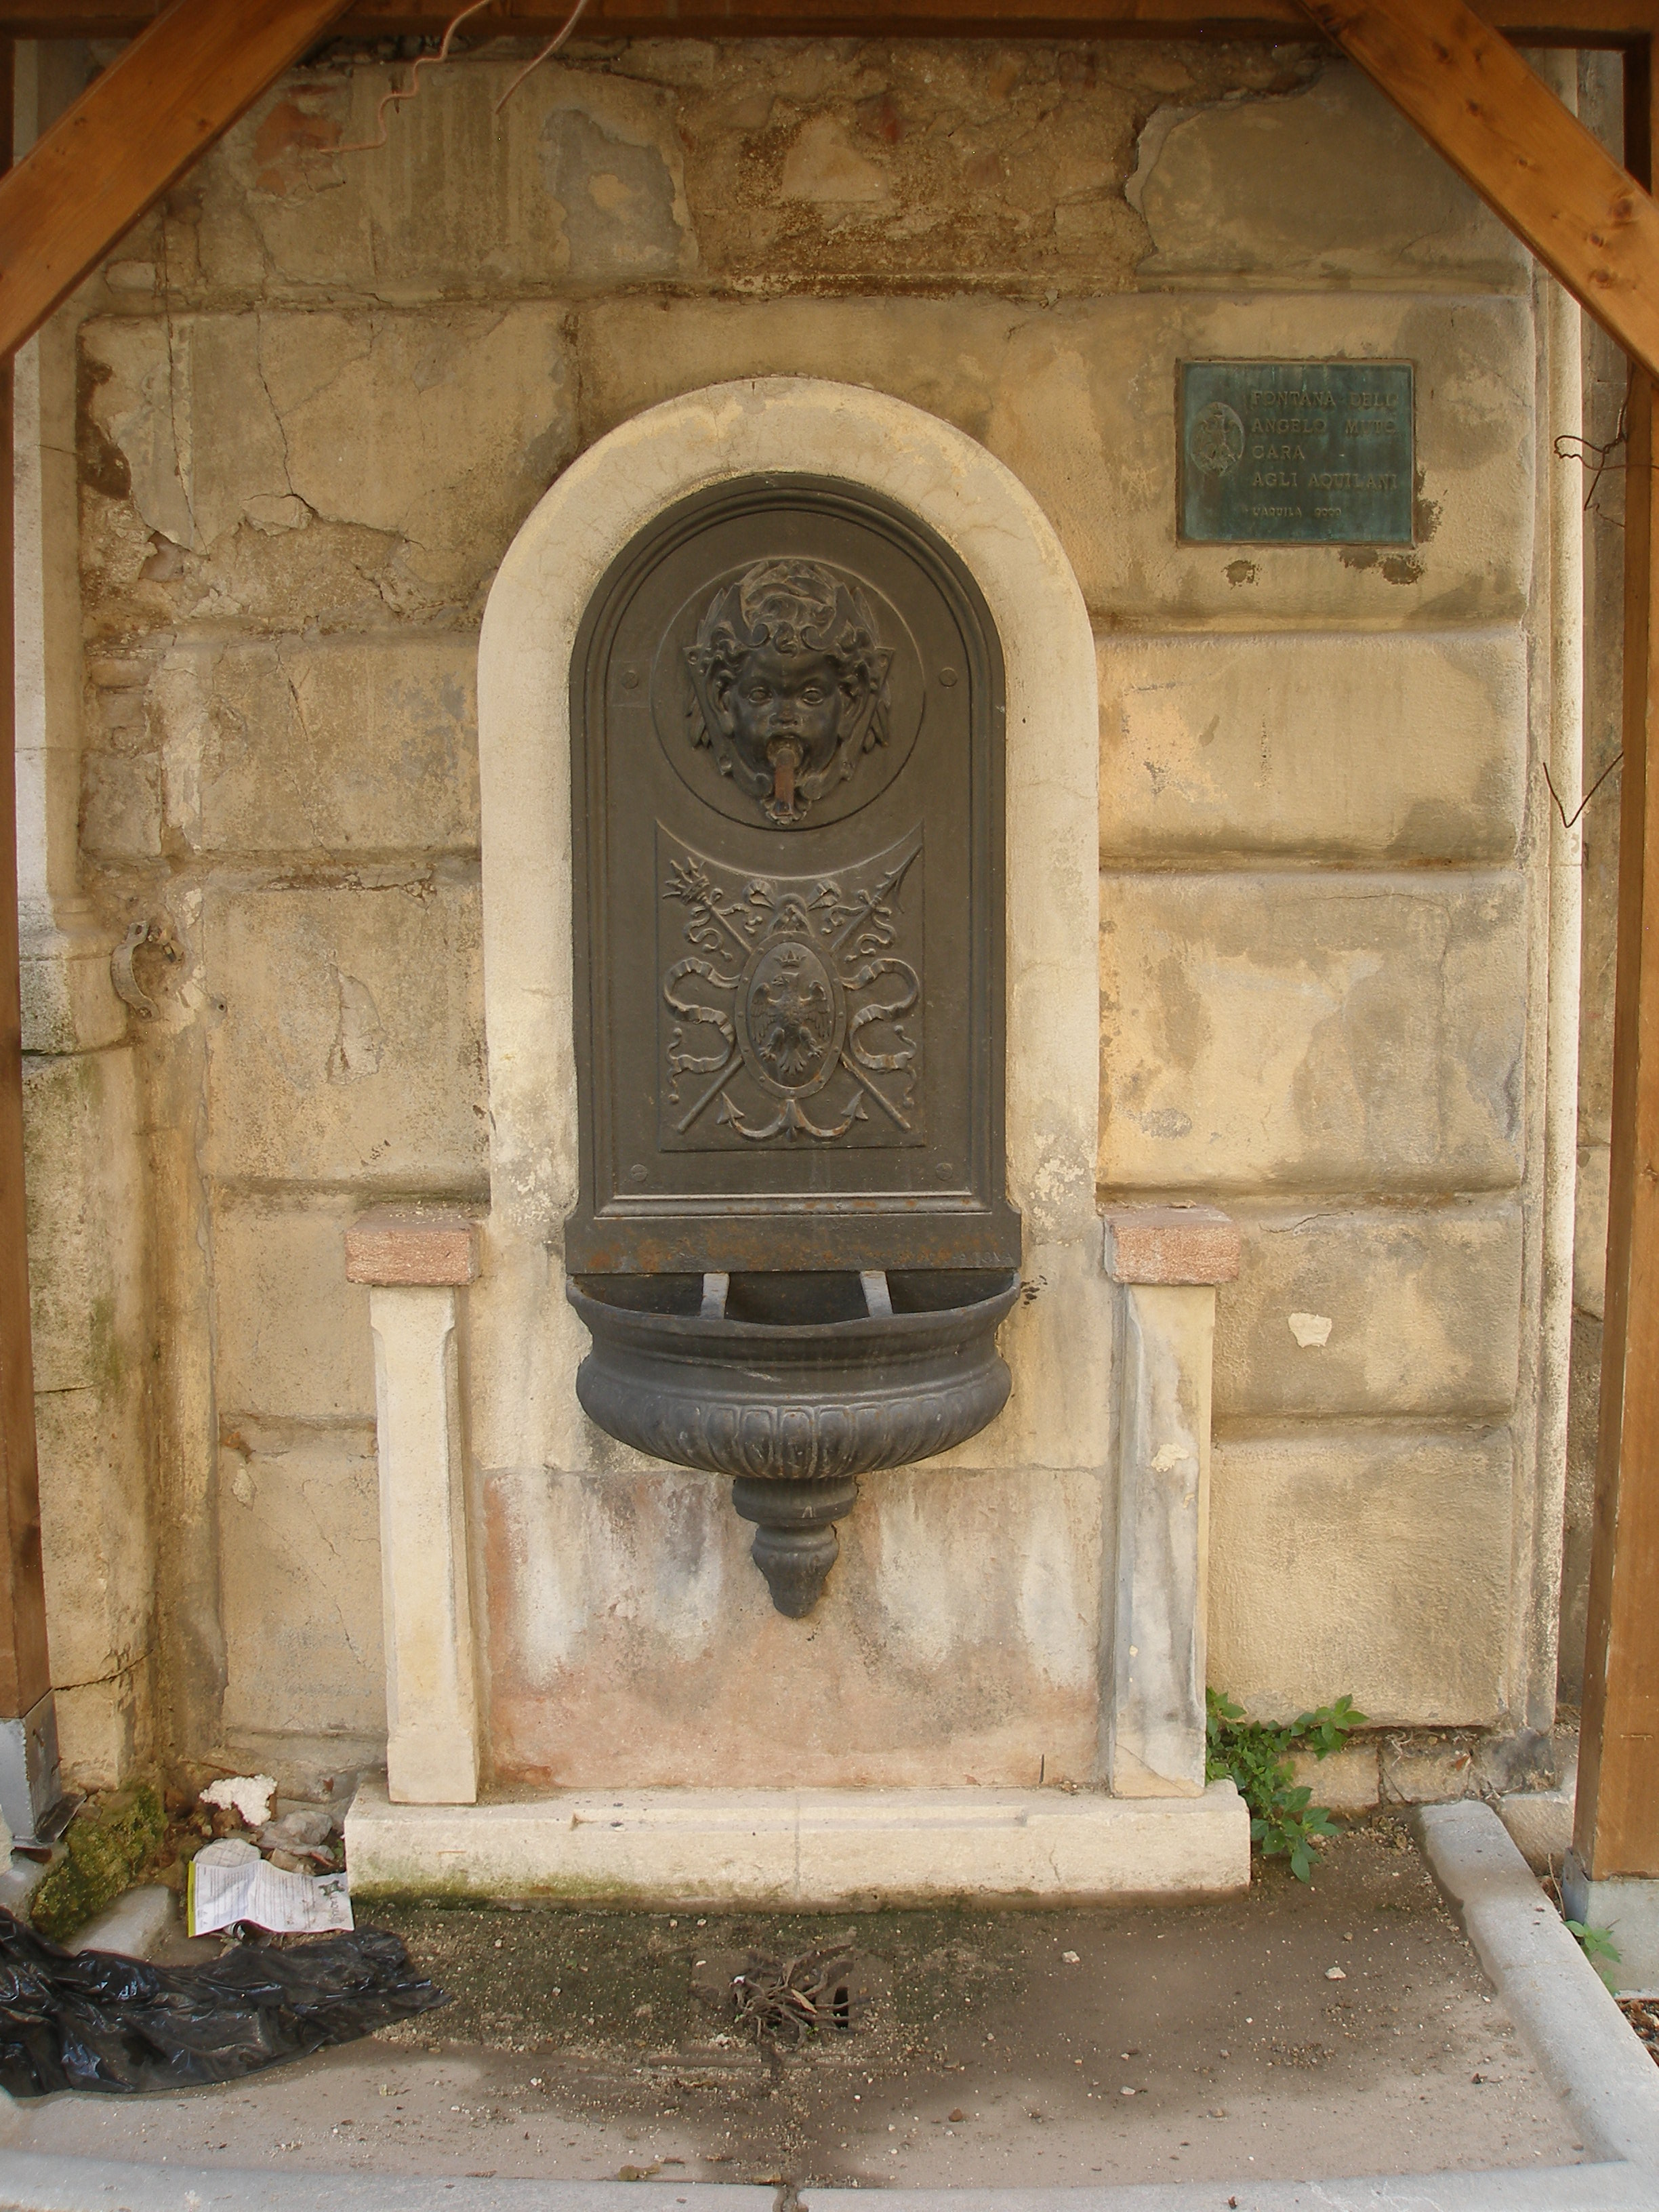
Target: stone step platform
(806, 1849)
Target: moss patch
(107, 1845)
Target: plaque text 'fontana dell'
(1296, 451)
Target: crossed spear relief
(803, 948)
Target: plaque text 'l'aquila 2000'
(1297, 452)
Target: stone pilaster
(1166, 1261)
(417, 1265)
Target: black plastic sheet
(91, 2019)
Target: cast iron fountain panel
(787, 791)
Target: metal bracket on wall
(32, 1802)
(128, 988)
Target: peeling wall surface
(314, 396)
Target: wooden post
(1616, 1832)
(25, 1675)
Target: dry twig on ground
(780, 2001)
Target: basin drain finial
(795, 1542)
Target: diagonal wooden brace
(134, 131)
(1533, 163)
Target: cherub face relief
(790, 679)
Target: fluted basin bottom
(795, 1390)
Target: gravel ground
(1338, 2029)
(1642, 2014)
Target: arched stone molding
(981, 510)
(1052, 777)
(1002, 1563)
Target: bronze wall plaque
(1282, 453)
(787, 714)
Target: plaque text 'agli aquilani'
(1296, 451)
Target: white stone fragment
(304, 1826)
(1311, 1331)
(250, 1795)
(229, 1851)
(135, 1927)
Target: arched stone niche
(626, 1640)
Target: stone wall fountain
(793, 1249)
(751, 1044)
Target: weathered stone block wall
(83, 1093)
(320, 390)
(87, 1227)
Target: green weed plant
(1599, 1947)
(1285, 1822)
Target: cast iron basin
(795, 1385)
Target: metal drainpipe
(1565, 352)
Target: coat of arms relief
(795, 1014)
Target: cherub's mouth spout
(785, 755)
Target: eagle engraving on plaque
(795, 1014)
(789, 677)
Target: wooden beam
(136, 129)
(932, 18)
(1477, 103)
(1616, 1824)
(1616, 1821)
(1532, 23)
(25, 1672)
